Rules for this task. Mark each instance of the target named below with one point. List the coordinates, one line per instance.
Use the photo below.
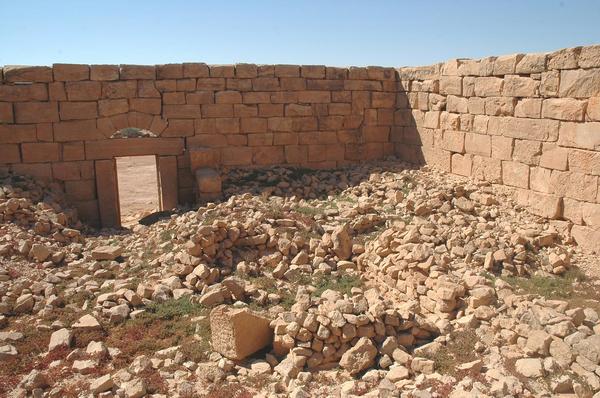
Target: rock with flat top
(239, 332)
(87, 322)
(109, 253)
(60, 338)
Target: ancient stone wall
(529, 121)
(56, 122)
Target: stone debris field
(379, 280)
(414, 232)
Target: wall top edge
(452, 67)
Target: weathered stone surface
(360, 357)
(60, 338)
(579, 83)
(237, 333)
(529, 367)
(342, 242)
(106, 252)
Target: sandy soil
(138, 187)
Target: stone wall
(56, 122)
(529, 121)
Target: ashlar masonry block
(238, 333)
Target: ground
(138, 187)
(378, 280)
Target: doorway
(138, 187)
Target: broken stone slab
(239, 332)
(102, 384)
(109, 253)
(359, 357)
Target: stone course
(529, 121)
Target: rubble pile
(375, 280)
(35, 221)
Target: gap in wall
(138, 187)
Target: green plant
(174, 308)
(166, 235)
(343, 284)
(458, 350)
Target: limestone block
(29, 92)
(506, 64)
(476, 106)
(469, 67)
(590, 57)
(500, 106)
(564, 59)
(487, 169)
(531, 63)
(451, 85)
(36, 112)
(502, 147)
(486, 66)
(237, 333)
(517, 86)
(70, 72)
(593, 109)
(106, 252)
(461, 164)
(9, 153)
(582, 212)
(208, 180)
(542, 204)
(480, 124)
(432, 120)
(549, 83)
(457, 104)
(563, 109)
(580, 135)
(587, 162)
(104, 72)
(453, 141)
(579, 83)
(450, 68)
(527, 151)
(539, 179)
(83, 91)
(574, 185)
(531, 129)
(529, 107)
(16, 73)
(40, 152)
(554, 157)
(78, 110)
(478, 144)
(586, 237)
(515, 174)
(137, 72)
(488, 86)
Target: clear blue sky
(332, 32)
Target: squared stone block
(239, 332)
(70, 72)
(40, 152)
(203, 157)
(208, 180)
(36, 112)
